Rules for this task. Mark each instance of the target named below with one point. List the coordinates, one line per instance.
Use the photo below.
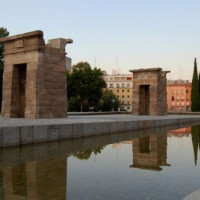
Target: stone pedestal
(149, 92)
(34, 80)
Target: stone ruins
(34, 80)
(149, 92)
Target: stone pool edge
(35, 133)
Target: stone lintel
(25, 49)
(20, 36)
(146, 70)
(154, 168)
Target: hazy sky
(141, 34)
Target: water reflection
(85, 155)
(195, 141)
(194, 133)
(45, 179)
(150, 152)
(39, 172)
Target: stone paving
(193, 196)
(10, 122)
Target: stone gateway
(34, 80)
(149, 92)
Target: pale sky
(141, 34)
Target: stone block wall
(41, 91)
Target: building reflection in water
(150, 152)
(37, 180)
(194, 133)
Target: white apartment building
(121, 85)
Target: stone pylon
(34, 80)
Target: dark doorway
(144, 99)
(19, 90)
(144, 145)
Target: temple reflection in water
(39, 172)
(150, 152)
(37, 180)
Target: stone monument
(34, 80)
(149, 92)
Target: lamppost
(113, 102)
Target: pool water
(156, 164)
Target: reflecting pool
(150, 164)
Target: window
(129, 78)
(111, 85)
(128, 108)
(128, 96)
(172, 98)
(122, 90)
(122, 96)
(117, 90)
(117, 96)
(177, 97)
(128, 85)
(128, 90)
(128, 103)
(187, 91)
(172, 103)
(182, 104)
(123, 85)
(117, 85)
(177, 103)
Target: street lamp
(113, 102)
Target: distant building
(179, 81)
(68, 64)
(121, 86)
(182, 132)
(116, 71)
(179, 96)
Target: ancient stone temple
(149, 92)
(34, 80)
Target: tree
(109, 101)
(85, 85)
(199, 84)
(195, 141)
(195, 96)
(85, 155)
(3, 33)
